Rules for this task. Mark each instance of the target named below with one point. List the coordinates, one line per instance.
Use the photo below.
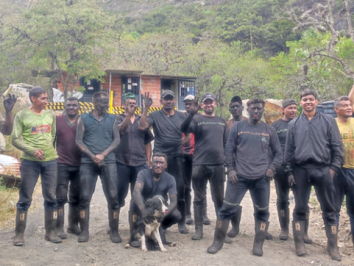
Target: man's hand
(194, 107)
(270, 174)
(146, 217)
(98, 159)
(291, 180)
(232, 177)
(332, 172)
(9, 102)
(39, 154)
(147, 100)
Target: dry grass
(8, 200)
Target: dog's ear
(148, 203)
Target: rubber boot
(269, 236)
(198, 216)
(21, 218)
(163, 236)
(50, 224)
(206, 220)
(113, 217)
(332, 235)
(219, 236)
(73, 220)
(283, 215)
(299, 232)
(133, 218)
(60, 223)
(182, 223)
(307, 239)
(235, 222)
(84, 225)
(261, 229)
(187, 197)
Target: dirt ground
(100, 251)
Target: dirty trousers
(68, 174)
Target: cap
(208, 95)
(166, 93)
(189, 97)
(236, 99)
(288, 102)
(128, 95)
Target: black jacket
(313, 143)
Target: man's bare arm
(138, 197)
(79, 139)
(9, 103)
(143, 123)
(148, 151)
(186, 138)
(173, 203)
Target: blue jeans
(88, 178)
(127, 175)
(260, 192)
(30, 171)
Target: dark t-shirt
(166, 185)
(98, 136)
(168, 136)
(131, 149)
(67, 149)
(281, 127)
(248, 148)
(210, 138)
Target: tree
(66, 37)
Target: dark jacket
(312, 144)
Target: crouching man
(152, 182)
(250, 167)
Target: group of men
(190, 148)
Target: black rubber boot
(50, 224)
(182, 223)
(261, 231)
(206, 220)
(269, 236)
(307, 239)
(187, 197)
(219, 236)
(163, 236)
(73, 220)
(21, 218)
(84, 225)
(60, 223)
(198, 216)
(133, 219)
(299, 232)
(283, 215)
(235, 222)
(332, 235)
(114, 226)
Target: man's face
(158, 165)
(255, 111)
(290, 111)
(187, 105)
(308, 103)
(168, 102)
(236, 109)
(208, 106)
(344, 109)
(41, 101)
(130, 102)
(72, 108)
(101, 104)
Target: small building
(123, 81)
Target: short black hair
(36, 91)
(339, 99)
(255, 101)
(236, 99)
(99, 94)
(72, 99)
(307, 92)
(159, 154)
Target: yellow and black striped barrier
(88, 107)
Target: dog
(147, 230)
